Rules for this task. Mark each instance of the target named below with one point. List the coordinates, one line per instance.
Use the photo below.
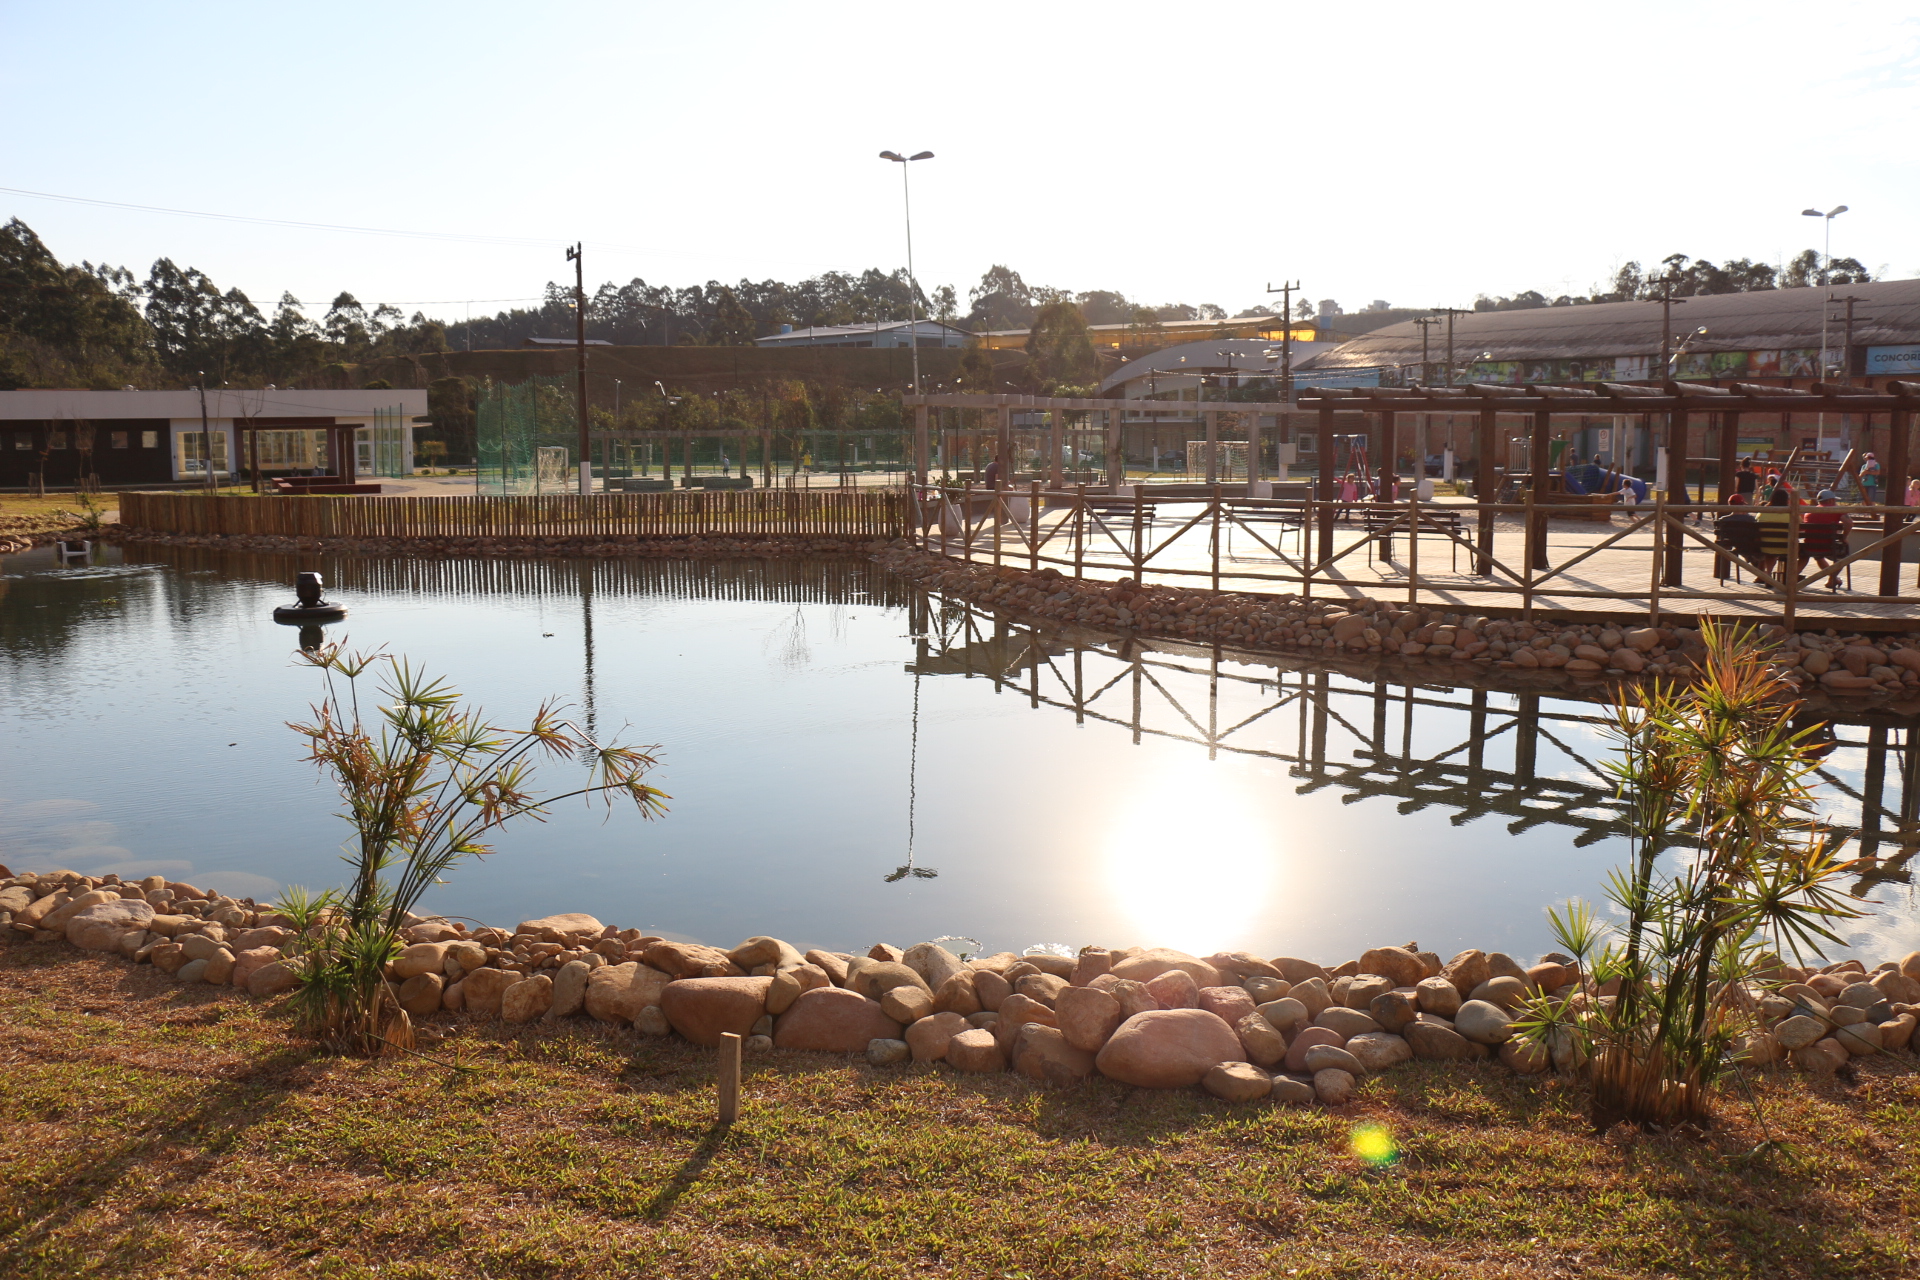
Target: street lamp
(913, 283)
(1826, 268)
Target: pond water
(849, 762)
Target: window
(24, 440)
(119, 439)
(56, 439)
(149, 439)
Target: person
(1823, 535)
(1632, 489)
(1776, 546)
(1738, 532)
(1746, 480)
(1913, 492)
(1766, 490)
(1349, 494)
(1870, 480)
(992, 476)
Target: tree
(976, 366)
(946, 304)
(732, 323)
(1002, 300)
(66, 325)
(1060, 349)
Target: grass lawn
(152, 1130)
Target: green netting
(525, 435)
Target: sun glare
(1192, 862)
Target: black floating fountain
(310, 607)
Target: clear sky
(1417, 153)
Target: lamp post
(906, 194)
(1826, 266)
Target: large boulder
(1435, 1040)
(273, 979)
(483, 989)
(1174, 989)
(790, 982)
(1237, 1082)
(957, 994)
(1504, 990)
(1400, 965)
(571, 924)
(928, 1038)
(833, 1020)
(976, 1051)
(61, 916)
(251, 961)
(526, 999)
(1168, 1048)
(1042, 1053)
(1438, 996)
(1087, 1016)
(1378, 1050)
(569, 989)
(1151, 963)
(1230, 1003)
(421, 957)
(1307, 1038)
(1347, 1022)
(1467, 970)
(1263, 1046)
(1044, 987)
(1016, 1012)
(420, 995)
(755, 952)
(874, 978)
(101, 926)
(618, 992)
(701, 1009)
(934, 963)
(1483, 1022)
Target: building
(563, 342)
(1164, 333)
(132, 438)
(892, 333)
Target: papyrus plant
(1730, 863)
(425, 783)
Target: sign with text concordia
(1893, 360)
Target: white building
(894, 333)
(129, 438)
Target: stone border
(1242, 1027)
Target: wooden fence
(758, 513)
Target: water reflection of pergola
(1310, 718)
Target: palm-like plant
(423, 783)
(1719, 780)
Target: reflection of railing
(1342, 733)
(1139, 532)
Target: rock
(421, 957)
(755, 1046)
(763, 1026)
(1466, 971)
(1642, 639)
(650, 1021)
(887, 1053)
(1044, 987)
(1434, 1040)
(1361, 990)
(569, 989)
(999, 962)
(572, 924)
(134, 941)
(219, 970)
(1087, 1017)
(1483, 1022)
(991, 989)
(1861, 1039)
(934, 963)
(1305, 1039)
(700, 1009)
(1346, 1023)
(907, 1004)
(1296, 970)
(1145, 965)
(421, 994)
(1291, 1092)
(1332, 1086)
(1395, 1009)
(251, 961)
(1285, 1015)
(198, 946)
(1401, 966)
(975, 1051)
(1092, 963)
(1237, 1082)
(1897, 1032)
(484, 988)
(1822, 1057)
(1314, 994)
(755, 952)
(271, 935)
(1016, 1012)
(1861, 995)
(1133, 997)
(59, 917)
(1756, 1049)
(1174, 989)
(689, 960)
(833, 1020)
(526, 999)
(1167, 1048)
(830, 964)
(1894, 986)
(1263, 990)
(1377, 1050)
(1042, 1053)
(273, 979)
(1799, 1031)
(875, 978)
(1524, 1058)
(618, 992)
(468, 955)
(1910, 964)
(789, 983)
(1263, 1045)
(1322, 1056)
(40, 908)
(1506, 991)
(192, 971)
(927, 1039)
(101, 926)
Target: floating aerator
(311, 608)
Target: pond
(849, 762)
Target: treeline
(1688, 276)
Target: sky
(1418, 154)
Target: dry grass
(151, 1130)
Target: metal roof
(1249, 360)
(1887, 313)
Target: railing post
(1900, 421)
(1080, 531)
(1216, 529)
(1413, 532)
(1791, 580)
(1033, 526)
(1659, 550)
(1138, 551)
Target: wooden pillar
(1729, 443)
(1213, 445)
(1003, 444)
(1116, 446)
(1327, 486)
(1678, 426)
(1386, 439)
(1893, 488)
(1538, 468)
(1485, 489)
(766, 460)
(1056, 436)
(920, 444)
(1253, 450)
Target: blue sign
(1893, 360)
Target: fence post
(1413, 532)
(1215, 504)
(1080, 531)
(1659, 551)
(1033, 526)
(729, 1077)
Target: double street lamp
(1826, 268)
(912, 282)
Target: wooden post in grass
(729, 1077)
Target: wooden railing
(1494, 549)
(827, 513)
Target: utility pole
(578, 259)
(206, 438)
(1846, 366)
(1667, 303)
(1426, 360)
(1286, 337)
(1449, 313)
